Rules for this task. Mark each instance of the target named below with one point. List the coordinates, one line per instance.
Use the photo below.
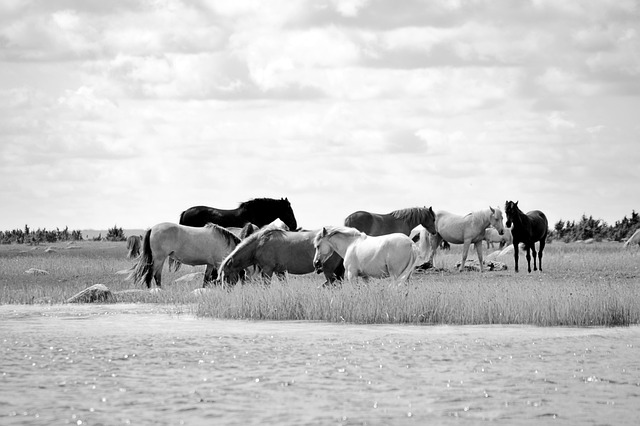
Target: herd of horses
(261, 237)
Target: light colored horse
(491, 236)
(466, 230)
(634, 239)
(133, 246)
(391, 255)
(186, 244)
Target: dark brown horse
(401, 221)
(259, 211)
(527, 229)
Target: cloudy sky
(128, 112)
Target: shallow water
(125, 364)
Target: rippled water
(127, 364)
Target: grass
(582, 285)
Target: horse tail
(143, 270)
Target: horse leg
(528, 258)
(465, 252)
(542, 244)
(157, 275)
(479, 251)
(435, 243)
(515, 253)
(533, 252)
(210, 274)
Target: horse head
(322, 247)
(496, 220)
(286, 215)
(429, 220)
(510, 209)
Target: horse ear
(517, 203)
(324, 231)
(492, 209)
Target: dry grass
(582, 285)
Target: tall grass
(582, 285)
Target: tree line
(28, 236)
(588, 227)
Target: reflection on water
(90, 365)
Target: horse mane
(228, 235)
(333, 230)
(259, 203)
(411, 214)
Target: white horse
(491, 235)
(391, 255)
(634, 239)
(465, 230)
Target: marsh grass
(582, 285)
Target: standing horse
(465, 230)
(402, 221)
(193, 246)
(274, 250)
(527, 228)
(392, 255)
(259, 211)
(133, 246)
(491, 235)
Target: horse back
(287, 251)
(360, 220)
(539, 224)
(199, 216)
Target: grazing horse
(392, 255)
(193, 246)
(465, 230)
(634, 239)
(491, 235)
(259, 211)
(133, 246)
(527, 228)
(274, 250)
(402, 221)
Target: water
(130, 364)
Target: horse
(634, 239)
(133, 246)
(465, 230)
(491, 235)
(392, 255)
(243, 232)
(527, 228)
(274, 250)
(402, 221)
(259, 211)
(194, 246)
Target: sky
(128, 112)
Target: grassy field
(582, 285)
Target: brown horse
(528, 229)
(401, 221)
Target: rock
(98, 293)
(34, 271)
(490, 265)
(49, 250)
(193, 278)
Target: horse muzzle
(318, 266)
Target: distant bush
(115, 234)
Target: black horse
(527, 228)
(259, 211)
